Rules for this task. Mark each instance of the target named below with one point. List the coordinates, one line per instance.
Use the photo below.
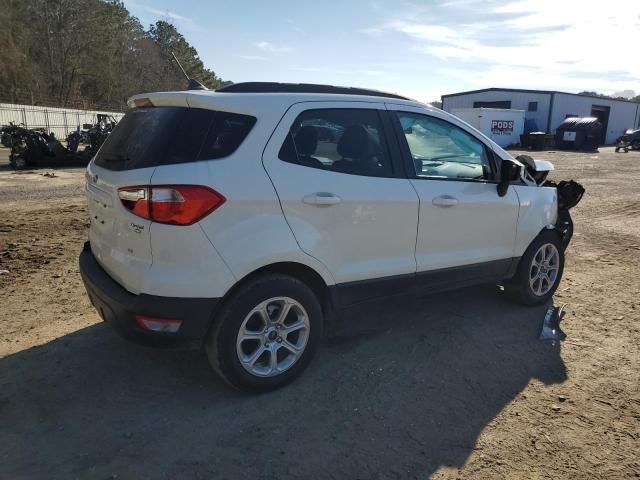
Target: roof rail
(276, 87)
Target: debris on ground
(551, 324)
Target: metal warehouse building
(549, 108)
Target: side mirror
(509, 172)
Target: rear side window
(148, 137)
(342, 140)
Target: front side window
(341, 140)
(442, 150)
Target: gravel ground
(455, 386)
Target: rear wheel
(635, 145)
(18, 162)
(540, 270)
(266, 333)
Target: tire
(635, 145)
(564, 227)
(18, 162)
(240, 328)
(527, 290)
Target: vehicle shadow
(401, 387)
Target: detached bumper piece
(135, 315)
(569, 195)
(551, 325)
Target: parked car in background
(244, 217)
(629, 141)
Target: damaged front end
(569, 192)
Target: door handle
(445, 201)
(322, 199)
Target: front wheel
(265, 334)
(18, 162)
(539, 271)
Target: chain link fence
(60, 121)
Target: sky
(421, 49)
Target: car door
(344, 194)
(466, 230)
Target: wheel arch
(299, 271)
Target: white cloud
(167, 13)
(173, 17)
(543, 43)
(313, 69)
(271, 48)
(253, 57)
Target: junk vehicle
(36, 147)
(92, 135)
(629, 141)
(233, 218)
(12, 133)
(33, 147)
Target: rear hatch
(144, 139)
(119, 239)
(163, 130)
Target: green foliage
(167, 37)
(89, 54)
(635, 99)
(593, 94)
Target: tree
(170, 40)
(593, 94)
(89, 53)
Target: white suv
(242, 217)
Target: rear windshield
(148, 137)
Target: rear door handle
(445, 201)
(322, 199)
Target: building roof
(519, 90)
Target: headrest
(306, 140)
(356, 143)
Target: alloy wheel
(545, 266)
(273, 336)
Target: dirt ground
(455, 386)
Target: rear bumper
(118, 307)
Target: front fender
(538, 210)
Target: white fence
(61, 121)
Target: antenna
(179, 65)
(193, 83)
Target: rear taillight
(171, 204)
